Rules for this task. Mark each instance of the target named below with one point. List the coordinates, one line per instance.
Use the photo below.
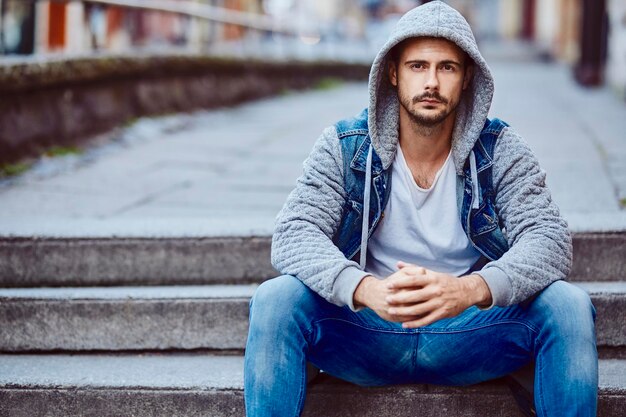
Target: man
(462, 253)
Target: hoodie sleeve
(540, 245)
(302, 243)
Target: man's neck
(425, 144)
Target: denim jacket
(475, 193)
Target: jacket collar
(359, 161)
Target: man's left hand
(434, 295)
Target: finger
(410, 279)
(420, 309)
(423, 321)
(401, 319)
(412, 296)
(412, 269)
(402, 264)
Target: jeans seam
(483, 326)
(539, 387)
(436, 331)
(301, 394)
(414, 355)
(381, 329)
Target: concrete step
(183, 317)
(124, 318)
(36, 262)
(41, 262)
(200, 385)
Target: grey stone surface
(208, 169)
(577, 133)
(126, 318)
(161, 259)
(176, 385)
(187, 292)
(124, 325)
(599, 257)
(609, 299)
(61, 102)
(183, 317)
(238, 164)
(136, 371)
(157, 224)
(133, 261)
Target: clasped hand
(417, 296)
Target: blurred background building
(589, 35)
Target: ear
(393, 73)
(468, 76)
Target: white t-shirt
(421, 226)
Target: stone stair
(85, 330)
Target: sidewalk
(229, 171)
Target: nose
(432, 81)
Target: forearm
(477, 290)
(363, 290)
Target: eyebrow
(445, 62)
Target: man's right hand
(372, 292)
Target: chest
(423, 175)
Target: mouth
(430, 101)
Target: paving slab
(194, 385)
(184, 317)
(577, 134)
(151, 167)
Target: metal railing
(298, 35)
(206, 12)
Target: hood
(434, 19)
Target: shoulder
(502, 142)
(352, 126)
(514, 160)
(492, 131)
(511, 145)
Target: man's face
(430, 75)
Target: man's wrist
(361, 291)
(479, 292)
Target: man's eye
(417, 66)
(448, 68)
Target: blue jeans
(290, 324)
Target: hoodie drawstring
(474, 175)
(366, 208)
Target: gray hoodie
(540, 244)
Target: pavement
(228, 172)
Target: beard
(426, 120)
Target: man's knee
(566, 306)
(281, 296)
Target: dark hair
(396, 51)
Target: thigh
(475, 346)
(362, 348)
(359, 347)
